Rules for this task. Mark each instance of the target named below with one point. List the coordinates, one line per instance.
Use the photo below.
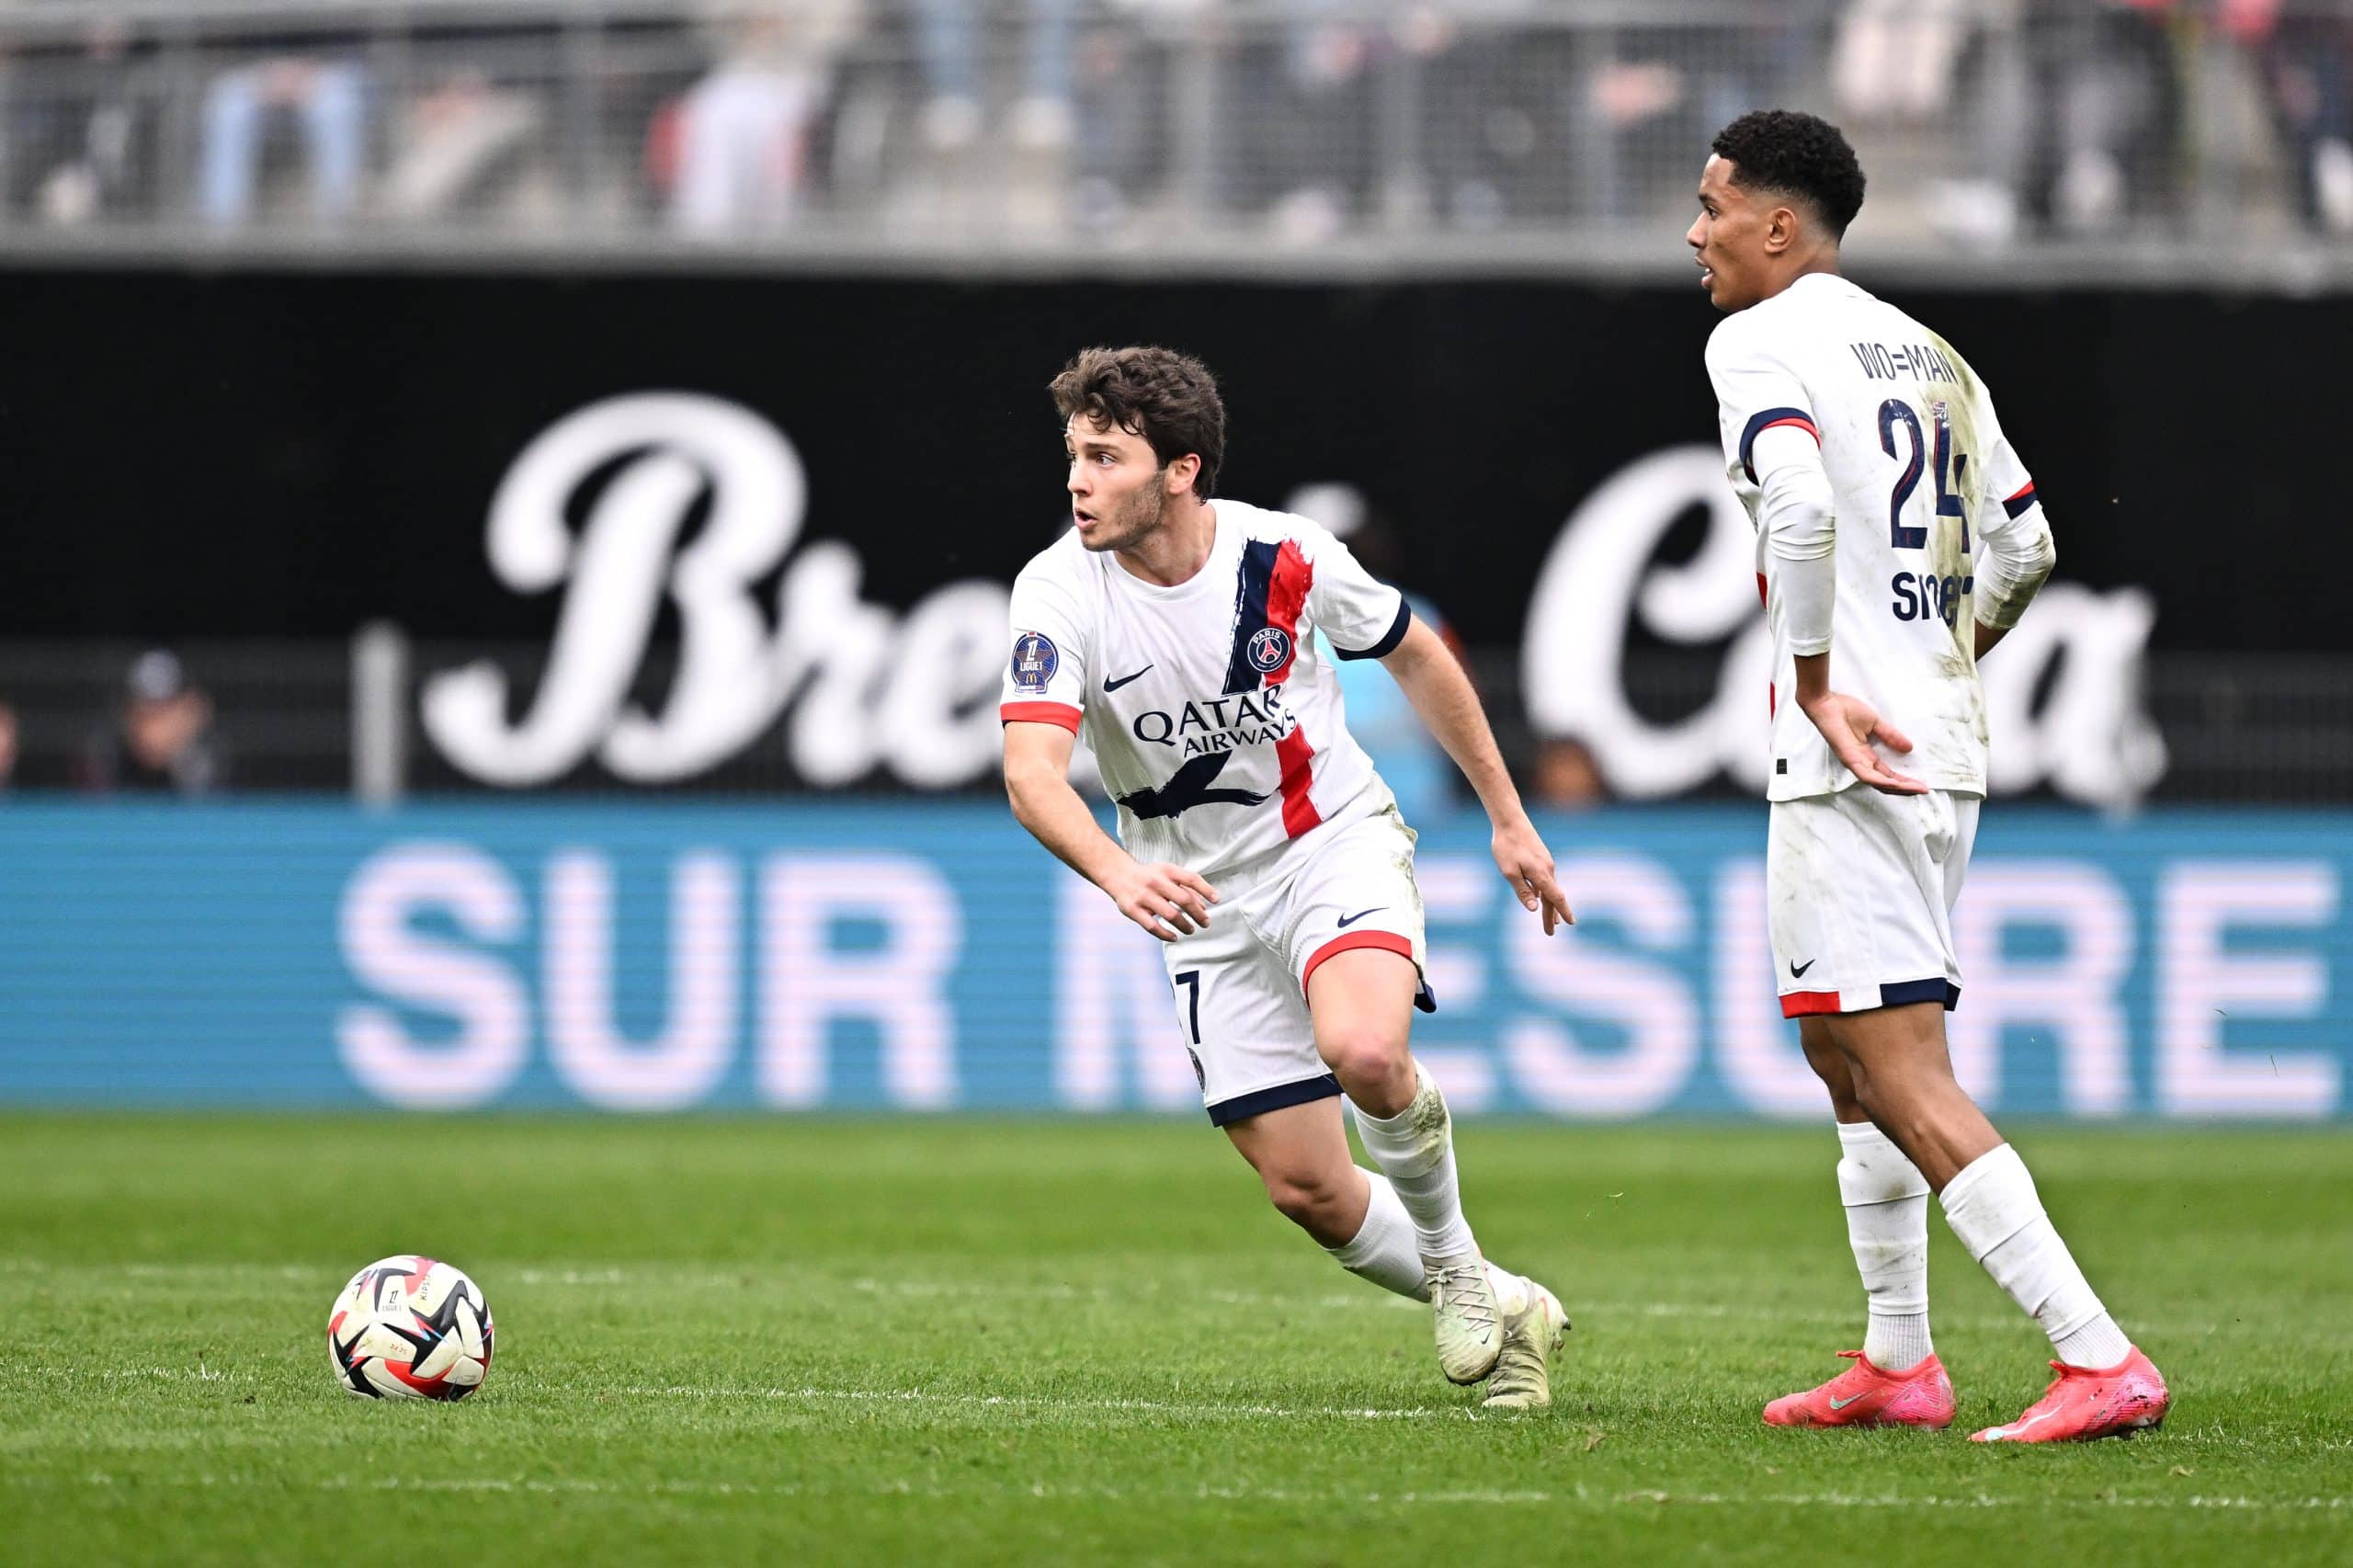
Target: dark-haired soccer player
(1178, 630)
(1868, 457)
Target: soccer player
(1255, 840)
(1868, 457)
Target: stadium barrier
(924, 955)
(457, 486)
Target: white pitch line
(1592, 1311)
(1982, 1500)
(1194, 1410)
(164, 1374)
(1580, 1496)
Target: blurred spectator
(1122, 73)
(1317, 108)
(1303, 106)
(2082, 117)
(316, 83)
(2095, 139)
(162, 741)
(732, 154)
(2307, 63)
(1896, 59)
(947, 47)
(1567, 777)
(472, 134)
(1666, 90)
(1500, 111)
(2110, 127)
(7, 743)
(87, 130)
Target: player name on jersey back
(1920, 477)
(1905, 362)
(1217, 727)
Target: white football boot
(1534, 1326)
(1467, 1317)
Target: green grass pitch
(1045, 1341)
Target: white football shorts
(1242, 984)
(1859, 888)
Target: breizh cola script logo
(2087, 738)
(859, 686)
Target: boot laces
(1476, 1306)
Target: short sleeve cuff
(1389, 639)
(1060, 713)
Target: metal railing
(2150, 139)
(333, 717)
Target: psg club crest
(1034, 661)
(1270, 646)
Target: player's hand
(1527, 865)
(1160, 897)
(1851, 727)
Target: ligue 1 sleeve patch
(1034, 661)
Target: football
(409, 1328)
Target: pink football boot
(1865, 1396)
(2084, 1403)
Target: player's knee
(1371, 1066)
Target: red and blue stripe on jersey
(1271, 591)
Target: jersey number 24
(1949, 465)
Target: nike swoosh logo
(1797, 972)
(1110, 684)
(1843, 1403)
(1360, 914)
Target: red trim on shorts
(1387, 941)
(1060, 713)
(1286, 596)
(1805, 1003)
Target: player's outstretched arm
(1168, 900)
(1428, 673)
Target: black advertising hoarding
(241, 455)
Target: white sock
(1415, 1149)
(1385, 1249)
(1993, 1207)
(1887, 1224)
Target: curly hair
(1795, 155)
(1169, 399)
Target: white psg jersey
(1921, 477)
(1215, 723)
